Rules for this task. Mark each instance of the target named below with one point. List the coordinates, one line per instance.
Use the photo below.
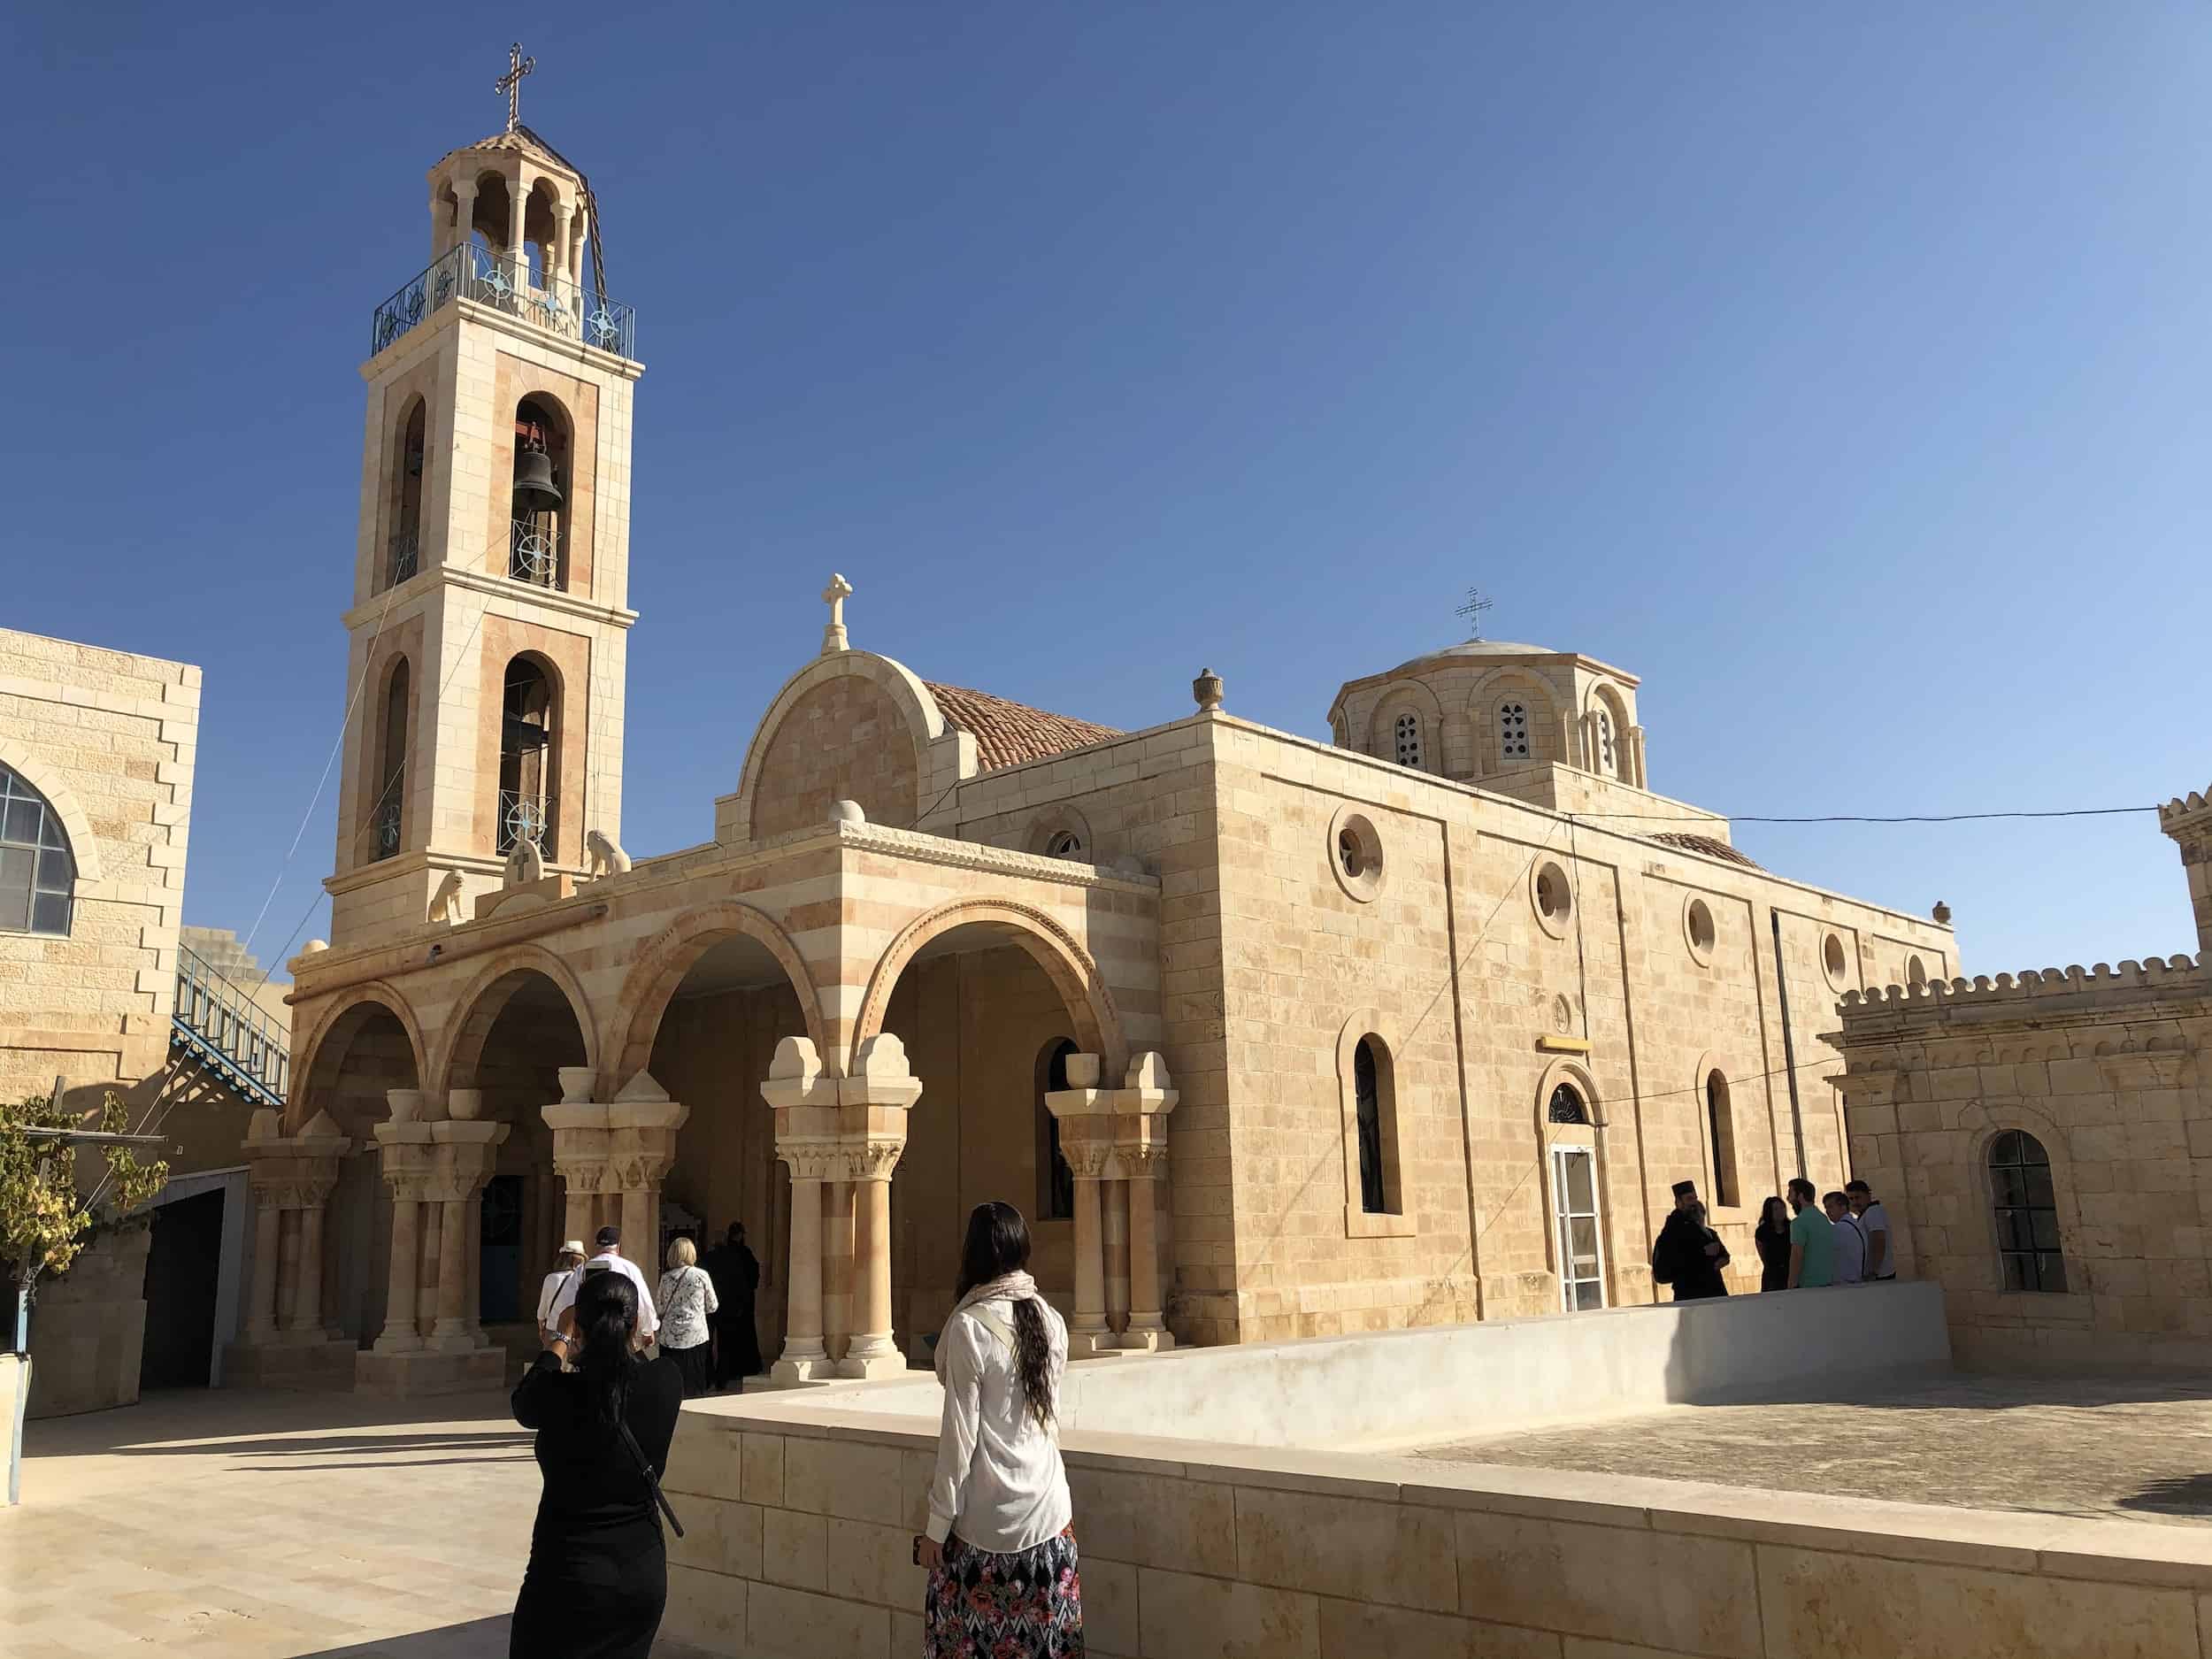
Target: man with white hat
(572, 1258)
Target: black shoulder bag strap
(645, 1467)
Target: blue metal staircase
(220, 1031)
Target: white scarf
(1013, 1286)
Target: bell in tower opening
(540, 458)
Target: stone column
(399, 1335)
(453, 1270)
(557, 277)
(464, 217)
(518, 200)
(873, 1351)
(1113, 1229)
(1088, 1335)
(1636, 758)
(267, 1235)
(837, 1262)
(579, 234)
(2188, 819)
(1148, 1186)
(307, 1302)
(641, 1125)
(804, 1358)
(466, 1152)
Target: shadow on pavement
(479, 1638)
(2183, 1495)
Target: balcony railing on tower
(547, 300)
(525, 816)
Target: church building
(1269, 1036)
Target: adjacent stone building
(1272, 1037)
(96, 752)
(2044, 1145)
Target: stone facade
(1274, 1038)
(109, 738)
(2084, 1244)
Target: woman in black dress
(598, 1574)
(1772, 1236)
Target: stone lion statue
(603, 856)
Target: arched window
(38, 873)
(2026, 1204)
(388, 805)
(1915, 972)
(1512, 732)
(1375, 1127)
(403, 552)
(1409, 738)
(527, 786)
(1566, 1106)
(1720, 1125)
(1056, 1182)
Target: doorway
(182, 1277)
(499, 1236)
(1581, 1250)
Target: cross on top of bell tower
(511, 83)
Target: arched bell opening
(537, 550)
(529, 757)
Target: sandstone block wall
(111, 739)
(2104, 1068)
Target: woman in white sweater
(999, 1550)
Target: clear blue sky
(1839, 369)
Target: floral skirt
(1028, 1605)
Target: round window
(1064, 844)
(1553, 896)
(1697, 927)
(1356, 855)
(1834, 963)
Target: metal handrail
(550, 301)
(228, 1021)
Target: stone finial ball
(1942, 911)
(1207, 690)
(847, 812)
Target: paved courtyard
(266, 1525)
(2100, 1449)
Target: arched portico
(671, 958)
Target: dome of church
(1479, 647)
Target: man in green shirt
(1812, 1240)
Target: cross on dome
(511, 83)
(835, 596)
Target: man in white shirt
(1881, 1260)
(572, 1257)
(1850, 1242)
(610, 1258)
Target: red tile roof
(1704, 844)
(1007, 733)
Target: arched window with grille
(1409, 738)
(38, 870)
(1512, 731)
(1375, 1127)
(388, 780)
(528, 758)
(2026, 1205)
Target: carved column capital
(813, 1158)
(872, 1160)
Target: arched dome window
(38, 871)
(1512, 731)
(1409, 738)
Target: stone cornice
(321, 973)
(2179, 988)
(371, 611)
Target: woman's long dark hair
(998, 1244)
(1766, 1214)
(606, 1318)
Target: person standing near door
(735, 1271)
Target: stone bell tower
(489, 622)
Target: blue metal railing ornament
(507, 284)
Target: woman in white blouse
(999, 1550)
(685, 1299)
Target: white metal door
(1574, 1185)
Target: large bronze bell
(534, 489)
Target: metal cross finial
(1472, 611)
(511, 83)
(835, 596)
